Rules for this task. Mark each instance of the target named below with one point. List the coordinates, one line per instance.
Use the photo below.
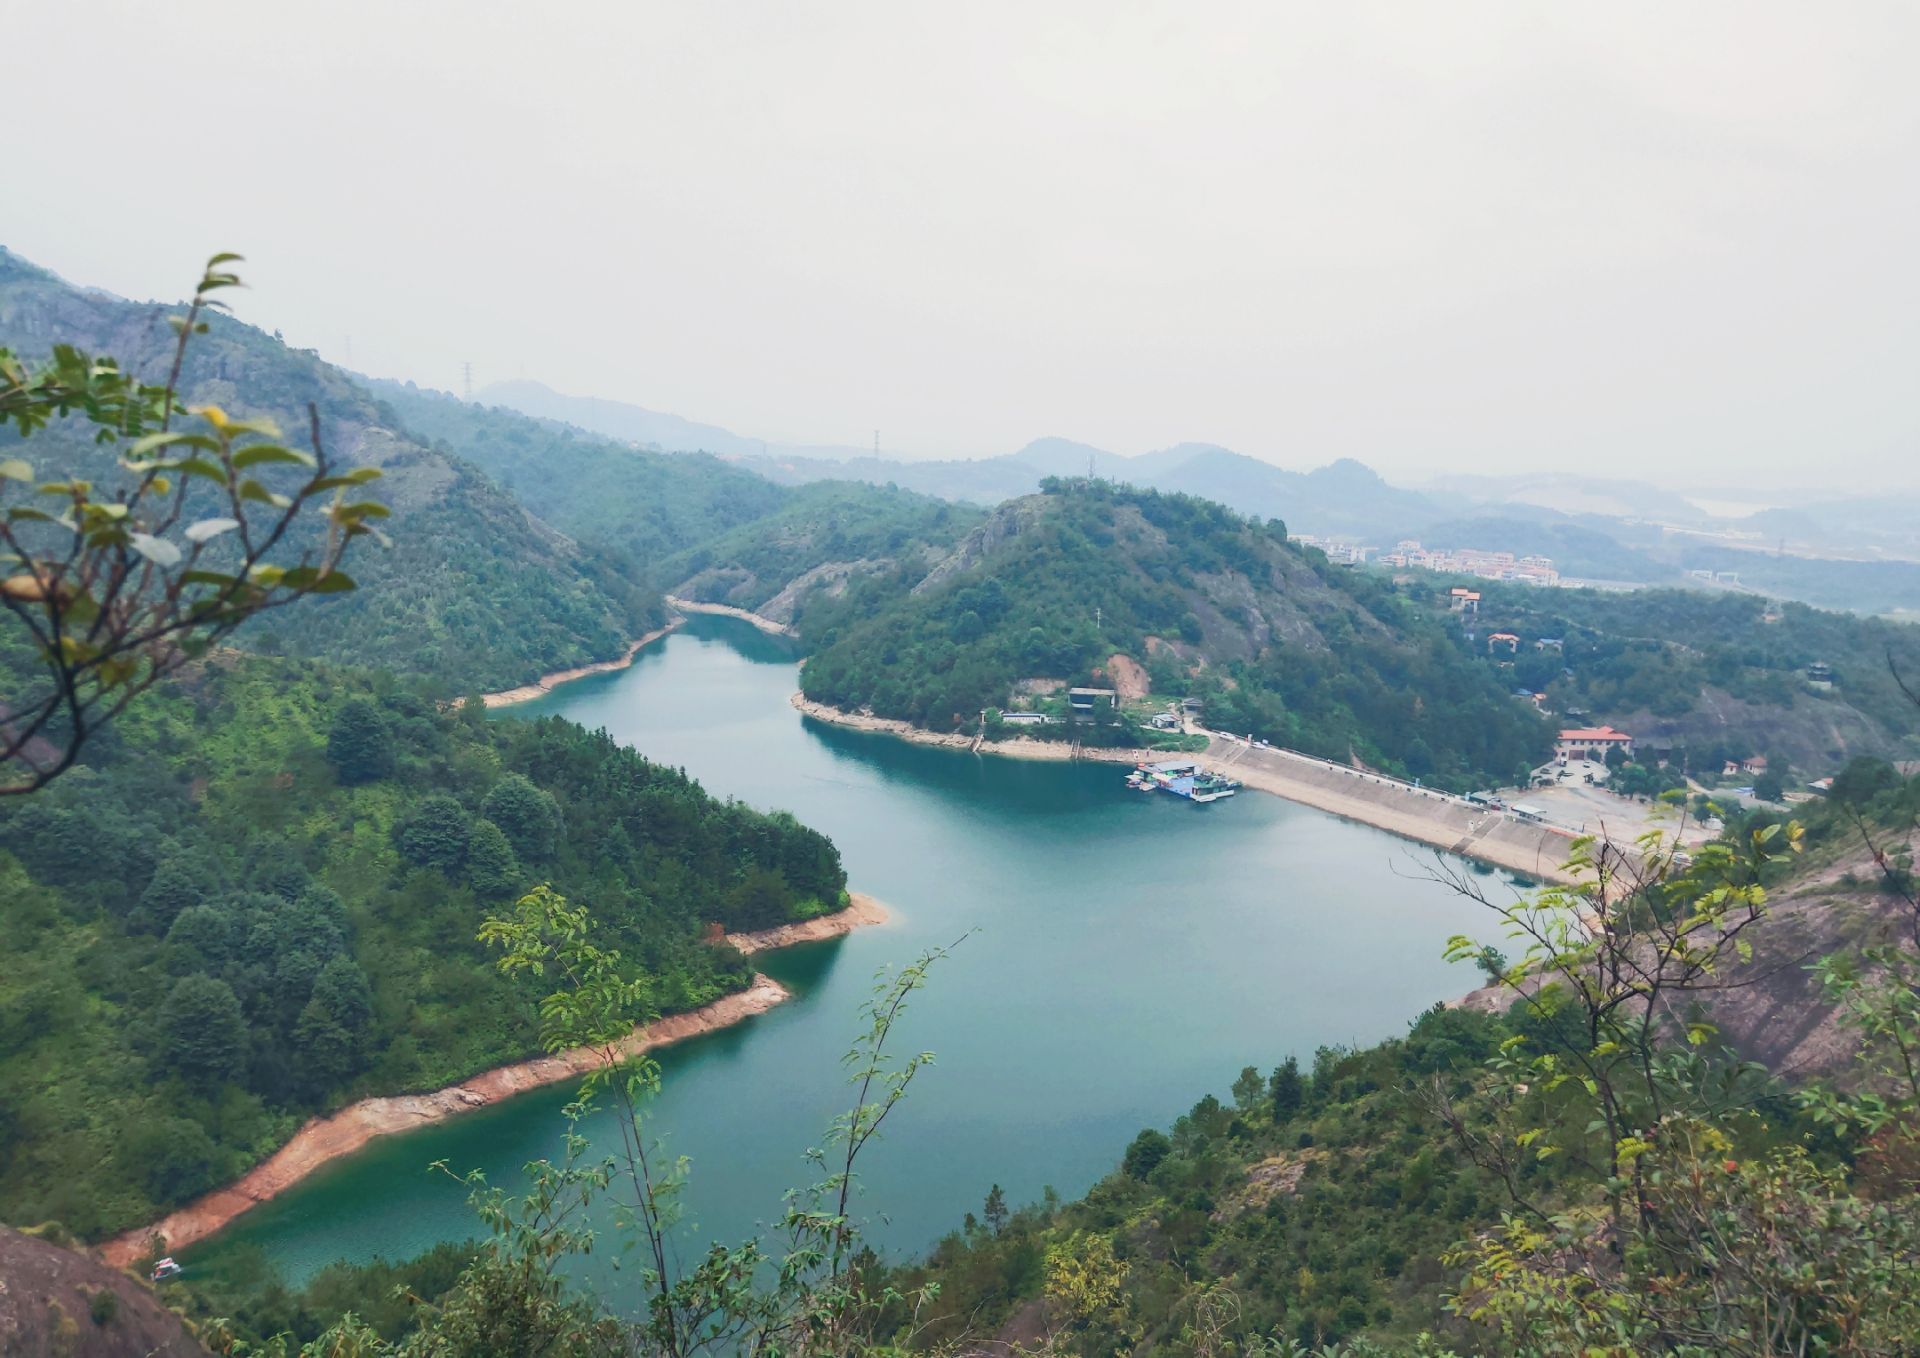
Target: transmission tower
(466, 376)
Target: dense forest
(1274, 640)
(259, 897)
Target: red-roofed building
(1591, 742)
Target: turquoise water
(1123, 955)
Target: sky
(1646, 240)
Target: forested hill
(259, 899)
(689, 523)
(475, 592)
(827, 537)
(1277, 642)
(642, 506)
(1714, 677)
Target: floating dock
(1183, 778)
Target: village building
(1591, 742)
(1086, 703)
(1462, 600)
(1507, 639)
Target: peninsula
(328, 1138)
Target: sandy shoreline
(324, 1139)
(862, 911)
(1429, 817)
(767, 625)
(547, 683)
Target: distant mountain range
(1344, 497)
(1595, 528)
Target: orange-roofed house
(1591, 742)
(1507, 639)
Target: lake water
(1123, 955)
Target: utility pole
(466, 377)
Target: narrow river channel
(1124, 955)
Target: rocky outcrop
(1005, 523)
(50, 1296)
(829, 579)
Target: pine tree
(1289, 1090)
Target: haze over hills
(1613, 530)
(636, 424)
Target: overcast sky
(1672, 240)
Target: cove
(1122, 956)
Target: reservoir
(1119, 956)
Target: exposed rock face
(1128, 677)
(1004, 524)
(1273, 1177)
(829, 579)
(47, 1306)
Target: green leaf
(146, 445)
(16, 469)
(359, 476)
(270, 452)
(253, 490)
(200, 466)
(309, 580)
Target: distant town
(1525, 570)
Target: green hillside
(687, 522)
(1717, 676)
(474, 592)
(259, 898)
(641, 505)
(827, 535)
(1276, 641)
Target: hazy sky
(1642, 239)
